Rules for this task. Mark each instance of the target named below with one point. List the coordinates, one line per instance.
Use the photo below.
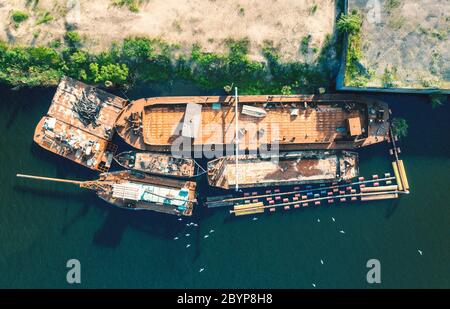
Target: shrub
(349, 23)
(399, 127)
(18, 17)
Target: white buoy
(206, 236)
(321, 261)
(211, 231)
(201, 269)
(318, 220)
(342, 232)
(420, 251)
(332, 218)
(187, 235)
(188, 245)
(175, 238)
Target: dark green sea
(43, 225)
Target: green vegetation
(400, 127)
(350, 23)
(355, 74)
(391, 5)
(18, 17)
(389, 77)
(304, 45)
(142, 60)
(44, 18)
(438, 99)
(313, 9)
(133, 5)
(73, 39)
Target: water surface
(42, 225)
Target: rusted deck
(70, 91)
(74, 144)
(85, 143)
(289, 168)
(320, 123)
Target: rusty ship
(159, 164)
(292, 122)
(139, 191)
(79, 124)
(303, 167)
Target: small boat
(139, 191)
(158, 164)
(291, 168)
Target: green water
(43, 225)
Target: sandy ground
(208, 22)
(413, 37)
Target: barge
(139, 191)
(291, 122)
(304, 167)
(79, 124)
(158, 164)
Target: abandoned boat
(158, 164)
(80, 124)
(139, 191)
(303, 167)
(292, 122)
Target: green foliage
(438, 99)
(313, 9)
(72, 39)
(390, 5)
(400, 127)
(389, 77)
(44, 18)
(18, 16)
(286, 90)
(349, 23)
(150, 60)
(304, 45)
(355, 74)
(133, 5)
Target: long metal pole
(75, 182)
(236, 115)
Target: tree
(400, 127)
(349, 23)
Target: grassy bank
(140, 60)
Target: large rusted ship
(159, 164)
(80, 124)
(303, 167)
(292, 122)
(139, 191)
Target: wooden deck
(322, 125)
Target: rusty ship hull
(303, 167)
(293, 122)
(157, 164)
(79, 124)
